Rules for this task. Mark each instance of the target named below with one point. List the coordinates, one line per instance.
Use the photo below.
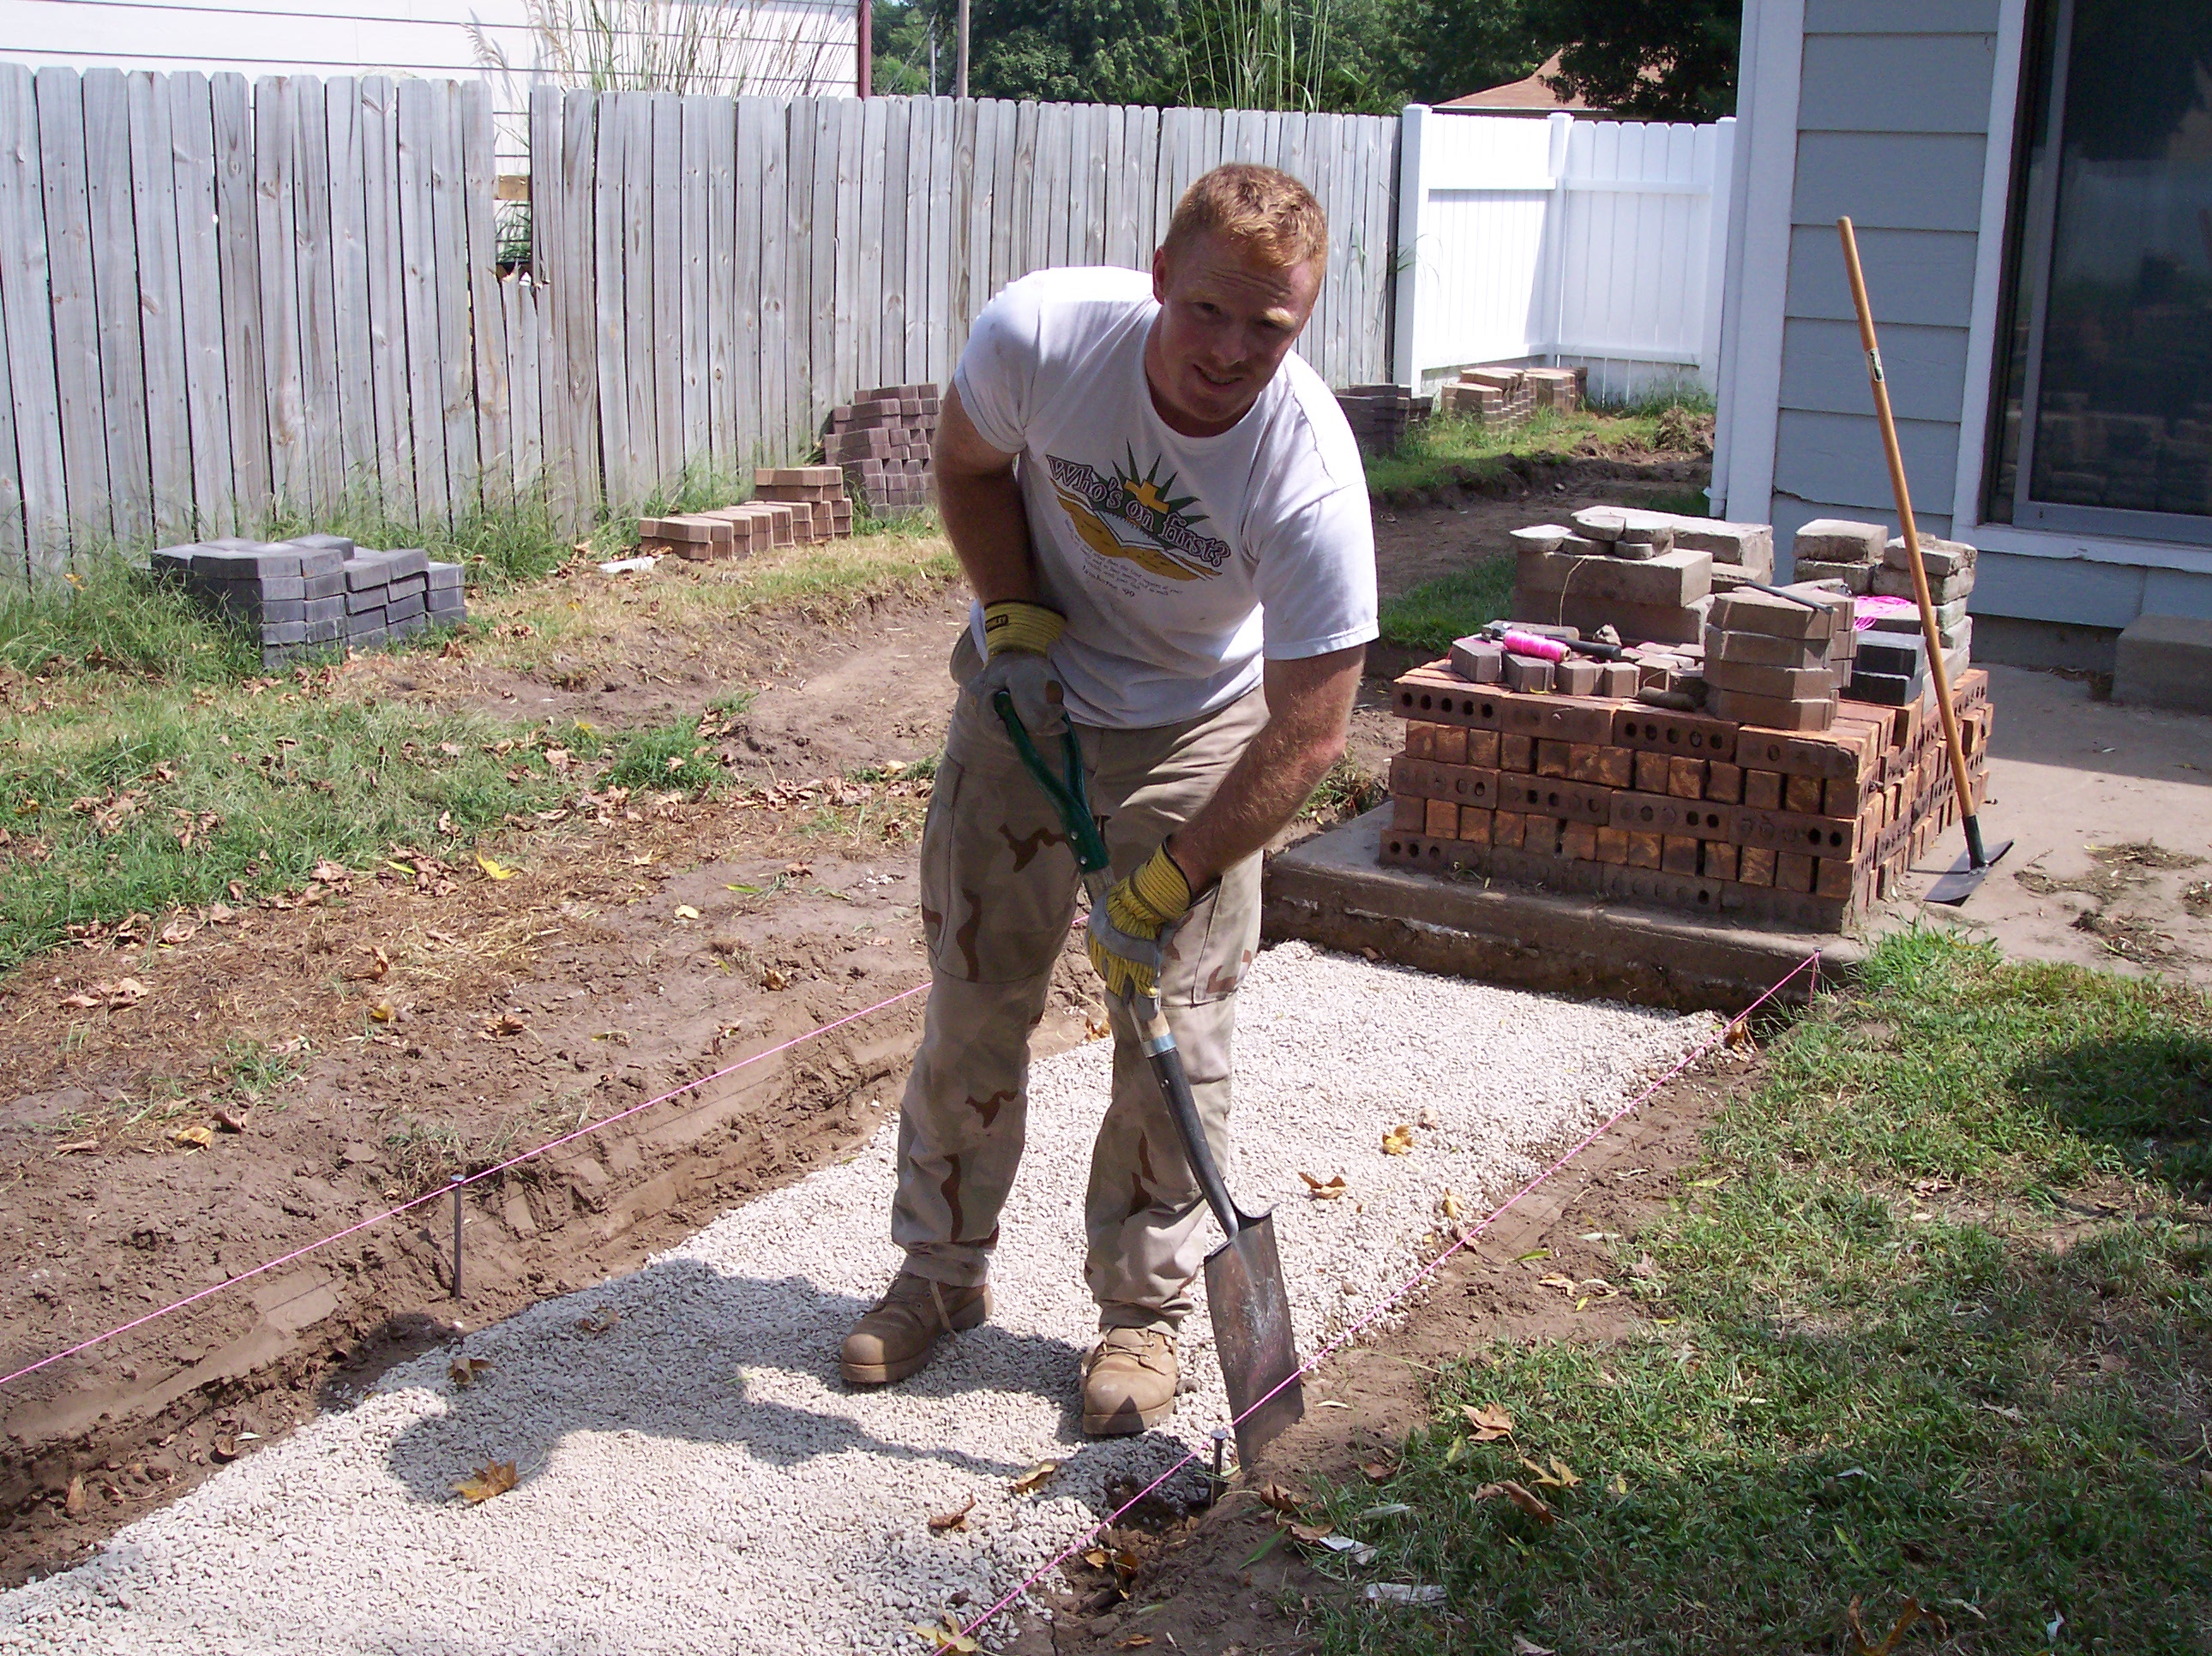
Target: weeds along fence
(220, 300)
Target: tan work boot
(894, 1338)
(1128, 1381)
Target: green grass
(99, 796)
(1876, 1366)
(109, 617)
(1446, 451)
(665, 757)
(1431, 616)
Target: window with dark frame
(2102, 412)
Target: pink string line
(436, 1195)
(1468, 1235)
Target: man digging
(1164, 519)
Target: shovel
(1252, 1333)
(1966, 875)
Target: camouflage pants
(998, 897)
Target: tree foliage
(1667, 59)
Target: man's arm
(1308, 706)
(981, 502)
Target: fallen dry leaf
(464, 1370)
(1564, 1285)
(505, 1023)
(772, 978)
(177, 932)
(497, 871)
(379, 967)
(1035, 1478)
(1399, 1141)
(76, 1146)
(228, 1120)
(1526, 1500)
(685, 912)
(599, 1323)
(495, 1478)
(1310, 1534)
(797, 870)
(1452, 1209)
(1490, 1422)
(946, 1635)
(1911, 1611)
(73, 1499)
(955, 1520)
(1558, 1475)
(1281, 1499)
(382, 1012)
(196, 1138)
(1377, 1471)
(1135, 1641)
(1324, 1190)
(1530, 1648)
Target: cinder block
(1668, 580)
(1839, 540)
(1857, 577)
(1786, 683)
(1898, 583)
(1938, 558)
(2166, 661)
(1774, 712)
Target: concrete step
(2166, 661)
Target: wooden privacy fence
(218, 301)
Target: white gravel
(695, 1479)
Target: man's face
(1226, 322)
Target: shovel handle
(1159, 1041)
(1160, 1050)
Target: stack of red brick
(1618, 799)
(791, 505)
(816, 489)
(1380, 416)
(1496, 397)
(883, 440)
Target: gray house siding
(1892, 118)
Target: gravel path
(694, 1477)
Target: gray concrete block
(329, 584)
(1890, 582)
(283, 632)
(1668, 578)
(445, 577)
(401, 607)
(1839, 540)
(317, 609)
(408, 560)
(1938, 557)
(246, 561)
(366, 597)
(367, 569)
(1857, 577)
(365, 620)
(1764, 649)
(1748, 545)
(2166, 661)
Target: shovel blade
(1964, 879)
(1253, 1336)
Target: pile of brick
(1649, 575)
(1494, 396)
(1597, 795)
(1866, 560)
(791, 505)
(883, 440)
(1778, 662)
(1380, 416)
(317, 594)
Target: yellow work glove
(1128, 930)
(1016, 636)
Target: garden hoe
(1252, 1333)
(1966, 875)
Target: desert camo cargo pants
(998, 896)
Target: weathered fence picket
(224, 301)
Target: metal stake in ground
(1965, 875)
(457, 1236)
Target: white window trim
(1981, 347)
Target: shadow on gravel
(677, 1361)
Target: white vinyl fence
(1561, 241)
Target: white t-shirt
(1179, 561)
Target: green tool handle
(1159, 1041)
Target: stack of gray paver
(1867, 560)
(317, 594)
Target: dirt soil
(402, 1023)
(1197, 1591)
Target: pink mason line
(1468, 1233)
(440, 1194)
